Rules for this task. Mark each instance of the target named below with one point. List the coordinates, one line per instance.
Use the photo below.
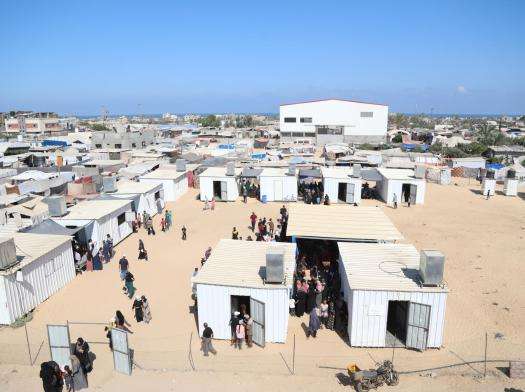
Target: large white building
(334, 120)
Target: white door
(278, 190)
(121, 353)
(413, 193)
(257, 310)
(417, 328)
(59, 344)
(350, 189)
(224, 190)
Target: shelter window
(286, 134)
(306, 120)
(367, 114)
(121, 218)
(290, 119)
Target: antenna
(104, 113)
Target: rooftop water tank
(275, 265)
(230, 169)
(180, 165)
(109, 183)
(356, 170)
(420, 171)
(291, 170)
(511, 173)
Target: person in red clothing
(253, 220)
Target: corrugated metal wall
(331, 188)
(42, 278)
(289, 187)
(109, 225)
(206, 187)
(167, 186)
(214, 304)
(180, 186)
(395, 186)
(369, 310)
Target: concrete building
(334, 120)
(125, 140)
(232, 276)
(33, 125)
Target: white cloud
(461, 89)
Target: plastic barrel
(263, 199)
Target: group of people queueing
(241, 325)
(94, 257)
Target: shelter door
(258, 330)
(278, 190)
(417, 327)
(121, 353)
(413, 193)
(350, 189)
(59, 344)
(224, 190)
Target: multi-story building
(126, 140)
(33, 125)
(334, 120)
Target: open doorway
(405, 192)
(341, 191)
(217, 190)
(240, 303)
(396, 325)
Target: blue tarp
(259, 156)
(51, 142)
(227, 146)
(410, 147)
(494, 166)
(297, 160)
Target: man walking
(123, 266)
(207, 336)
(184, 233)
(394, 199)
(253, 220)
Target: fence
(475, 357)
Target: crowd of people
(265, 229)
(311, 192)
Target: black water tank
(490, 174)
(511, 173)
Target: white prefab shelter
(340, 185)
(235, 271)
(278, 185)
(45, 265)
(341, 223)
(150, 195)
(403, 184)
(174, 183)
(386, 301)
(214, 183)
(104, 217)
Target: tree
(99, 127)
(436, 148)
(398, 138)
(210, 121)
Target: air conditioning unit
(291, 170)
(7, 253)
(180, 165)
(275, 265)
(109, 183)
(57, 205)
(230, 169)
(431, 267)
(356, 170)
(420, 171)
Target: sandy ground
(483, 241)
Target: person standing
(81, 351)
(234, 320)
(108, 335)
(97, 262)
(121, 322)
(123, 267)
(235, 234)
(248, 325)
(213, 203)
(314, 324)
(109, 242)
(130, 289)
(323, 309)
(184, 230)
(244, 195)
(207, 336)
(271, 226)
(146, 310)
(137, 307)
(394, 200)
(240, 334)
(143, 253)
(75, 375)
(253, 220)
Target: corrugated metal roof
(218, 172)
(340, 172)
(104, 162)
(340, 222)
(30, 247)
(396, 174)
(387, 267)
(241, 264)
(164, 174)
(125, 187)
(94, 209)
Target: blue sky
(231, 56)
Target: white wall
(387, 189)
(206, 187)
(173, 189)
(336, 113)
(288, 187)
(42, 278)
(214, 308)
(331, 188)
(368, 312)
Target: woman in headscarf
(77, 379)
(314, 324)
(120, 321)
(146, 309)
(310, 302)
(97, 262)
(319, 287)
(137, 307)
(81, 351)
(300, 304)
(331, 316)
(143, 254)
(130, 289)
